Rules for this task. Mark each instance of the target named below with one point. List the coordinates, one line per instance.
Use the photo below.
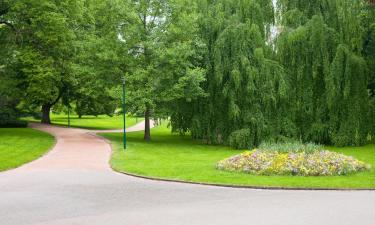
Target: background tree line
(233, 72)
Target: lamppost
(68, 108)
(124, 110)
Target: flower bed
(319, 163)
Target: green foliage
(9, 85)
(89, 106)
(13, 124)
(348, 98)
(285, 70)
(45, 53)
(100, 122)
(241, 139)
(305, 54)
(165, 48)
(297, 71)
(325, 64)
(9, 99)
(99, 60)
(245, 86)
(8, 102)
(64, 50)
(290, 147)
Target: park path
(137, 127)
(73, 185)
(76, 149)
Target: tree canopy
(285, 70)
(219, 70)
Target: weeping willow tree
(245, 86)
(369, 53)
(306, 53)
(348, 98)
(295, 69)
(324, 60)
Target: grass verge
(170, 156)
(22, 145)
(101, 122)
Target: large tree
(9, 83)
(162, 40)
(65, 50)
(100, 57)
(323, 57)
(288, 69)
(245, 85)
(44, 48)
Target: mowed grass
(22, 145)
(101, 122)
(175, 157)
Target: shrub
(241, 139)
(291, 146)
(13, 124)
(318, 163)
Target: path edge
(254, 187)
(39, 157)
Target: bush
(291, 146)
(241, 139)
(13, 124)
(319, 163)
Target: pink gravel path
(137, 127)
(75, 149)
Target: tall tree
(162, 42)
(298, 70)
(322, 57)
(46, 30)
(100, 57)
(65, 48)
(10, 95)
(245, 85)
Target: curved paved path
(73, 185)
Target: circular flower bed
(319, 163)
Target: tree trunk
(45, 114)
(147, 135)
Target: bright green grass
(102, 122)
(180, 158)
(22, 145)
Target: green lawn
(102, 122)
(180, 158)
(22, 145)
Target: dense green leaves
(65, 50)
(245, 85)
(324, 62)
(164, 44)
(275, 69)
(9, 85)
(302, 75)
